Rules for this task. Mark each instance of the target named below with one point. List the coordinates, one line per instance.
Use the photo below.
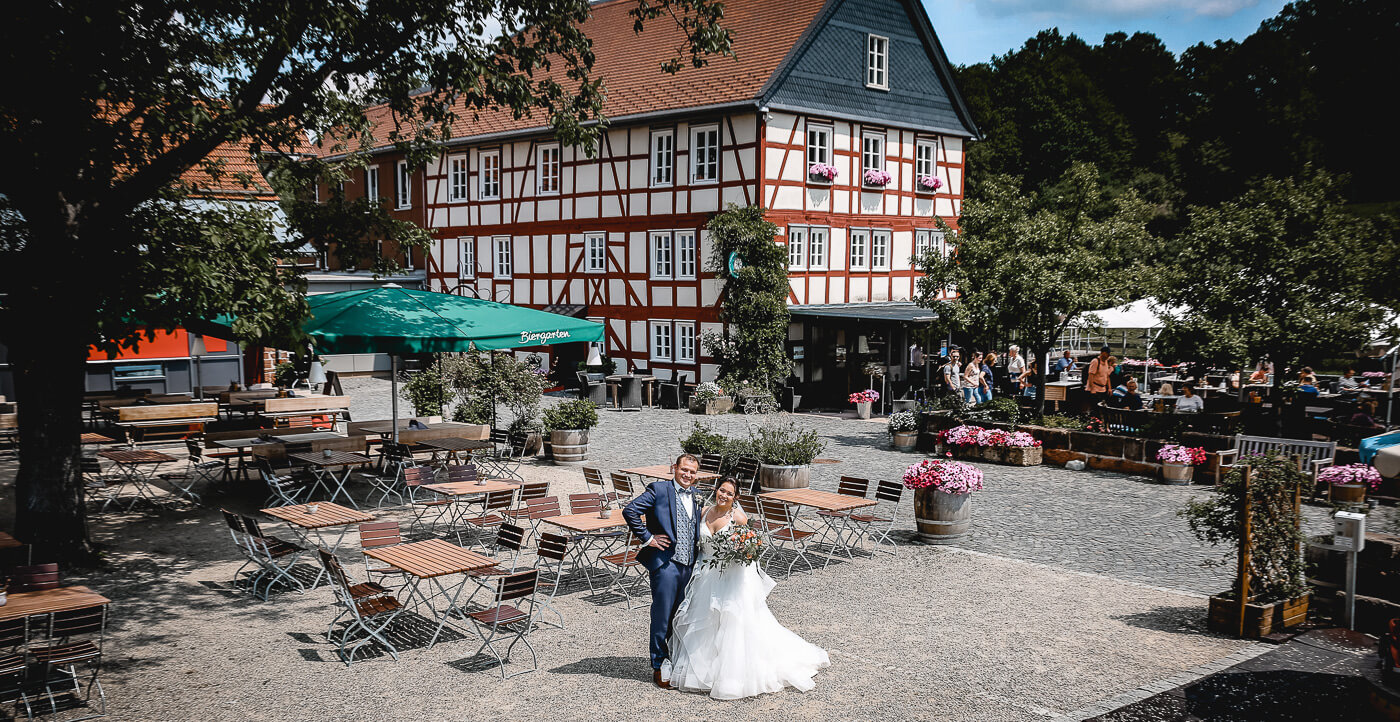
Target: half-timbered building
(838, 116)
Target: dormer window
(877, 62)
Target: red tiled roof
(235, 159)
(763, 32)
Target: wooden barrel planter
(570, 446)
(942, 518)
(905, 440)
(778, 478)
(1348, 493)
(1177, 474)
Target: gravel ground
(1073, 587)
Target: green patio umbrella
(395, 320)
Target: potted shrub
(568, 425)
(785, 453)
(1277, 595)
(709, 399)
(863, 400)
(1179, 462)
(703, 440)
(942, 498)
(904, 430)
(1350, 482)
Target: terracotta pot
(1177, 474)
(942, 518)
(904, 440)
(1349, 493)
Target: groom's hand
(660, 541)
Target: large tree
(107, 104)
(1030, 263)
(1284, 270)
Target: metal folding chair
(370, 607)
(434, 504)
(240, 540)
(746, 472)
(528, 491)
(275, 556)
(492, 517)
(284, 489)
(595, 483)
(838, 522)
(503, 618)
(550, 552)
(376, 535)
(879, 522)
(623, 565)
(624, 488)
(196, 470)
(783, 532)
(14, 665)
(541, 508)
(74, 637)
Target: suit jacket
(657, 504)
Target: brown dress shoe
(656, 677)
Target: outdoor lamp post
(197, 349)
(317, 375)
(594, 358)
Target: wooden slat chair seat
(594, 482)
(746, 472)
(1313, 456)
(550, 552)
(492, 517)
(528, 491)
(424, 507)
(197, 470)
(370, 607)
(504, 618)
(34, 578)
(74, 637)
(622, 566)
(838, 522)
(711, 463)
(877, 524)
(14, 681)
(624, 487)
(286, 488)
(375, 535)
(783, 532)
(540, 509)
(275, 556)
(240, 540)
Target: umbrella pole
(495, 387)
(394, 398)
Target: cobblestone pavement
(1117, 525)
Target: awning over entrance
(906, 311)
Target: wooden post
(1244, 549)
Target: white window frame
(866, 154)
(489, 175)
(686, 344)
(662, 167)
(858, 255)
(877, 62)
(466, 258)
(926, 239)
(685, 251)
(925, 160)
(703, 171)
(595, 241)
(503, 252)
(661, 255)
(655, 344)
(403, 186)
(549, 174)
(819, 152)
(316, 191)
(880, 249)
(797, 248)
(372, 183)
(818, 253)
(458, 178)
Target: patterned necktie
(685, 527)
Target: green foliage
(608, 366)
(1029, 263)
(474, 382)
(782, 443)
(1000, 409)
(1058, 421)
(703, 440)
(1276, 557)
(1281, 270)
(284, 374)
(754, 304)
(572, 414)
(428, 390)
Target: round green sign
(736, 264)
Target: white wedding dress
(725, 641)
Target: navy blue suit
(668, 577)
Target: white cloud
(1119, 8)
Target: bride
(723, 639)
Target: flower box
(927, 184)
(710, 407)
(1260, 620)
(1016, 448)
(1021, 455)
(822, 173)
(876, 178)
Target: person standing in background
(972, 378)
(989, 364)
(952, 373)
(1015, 366)
(1096, 379)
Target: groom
(670, 530)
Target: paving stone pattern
(1117, 525)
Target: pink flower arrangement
(930, 183)
(1351, 474)
(978, 436)
(1373, 374)
(823, 171)
(1178, 454)
(877, 178)
(865, 397)
(949, 477)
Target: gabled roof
(764, 32)
(234, 159)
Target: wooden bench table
(453, 446)
(432, 561)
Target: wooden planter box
(721, 405)
(1009, 455)
(1021, 455)
(1259, 619)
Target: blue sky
(972, 31)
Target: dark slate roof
(825, 72)
(888, 311)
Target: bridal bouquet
(734, 545)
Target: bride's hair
(731, 481)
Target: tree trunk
(48, 363)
